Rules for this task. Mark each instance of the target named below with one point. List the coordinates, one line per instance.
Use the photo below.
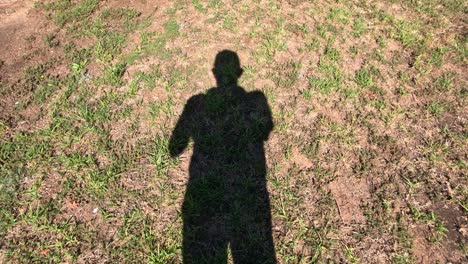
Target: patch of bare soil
(21, 31)
(455, 221)
(423, 251)
(348, 194)
(51, 186)
(301, 160)
(22, 38)
(89, 215)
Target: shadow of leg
(250, 225)
(204, 220)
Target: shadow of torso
(226, 201)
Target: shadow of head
(227, 69)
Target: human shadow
(226, 203)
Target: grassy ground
(367, 162)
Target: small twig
(339, 209)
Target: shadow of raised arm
(265, 124)
(182, 131)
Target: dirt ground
(366, 162)
(21, 27)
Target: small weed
(67, 11)
(155, 109)
(359, 27)
(198, 6)
(436, 108)
(109, 46)
(445, 82)
(338, 15)
(402, 259)
(313, 45)
(406, 33)
(332, 54)
(461, 47)
(350, 92)
(378, 104)
(365, 77)
(323, 86)
(307, 94)
(44, 91)
(171, 29)
(404, 77)
(349, 253)
(271, 44)
(439, 232)
(229, 22)
(437, 56)
(411, 185)
(113, 75)
(51, 41)
(382, 41)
